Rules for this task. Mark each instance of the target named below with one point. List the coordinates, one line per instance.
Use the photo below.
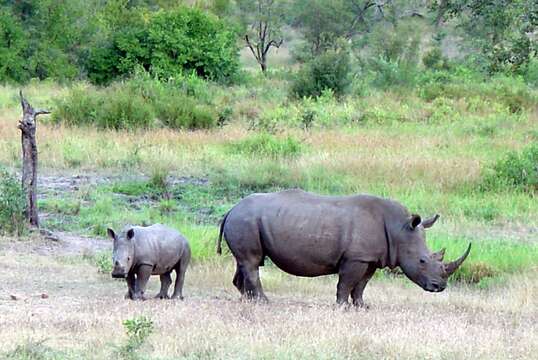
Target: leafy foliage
(12, 204)
(13, 41)
(499, 29)
(517, 170)
(138, 329)
(188, 40)
(141, 102)
(327, 71)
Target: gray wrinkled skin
(140, 252)
(310, 235)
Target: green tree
(13, 43)
(186, 39)
(499, 29)
(323, 22)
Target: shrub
(182, 112)
(390, 73)
(138, 329)
(265, 144)
(327, 71)
(517, 170)
(12, 205)
(167, 43)
(187, 39)
(134, 104)
(434, 59)
(103, 261)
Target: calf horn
(451, 267)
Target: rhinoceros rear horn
(451, 267)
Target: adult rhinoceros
(310, 235)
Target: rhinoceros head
(418, 263)
(123, 252)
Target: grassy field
(430, 152)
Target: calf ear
(111, 233)
(429, 222)
(130, 234)
(414, 221)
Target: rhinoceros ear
(111, 233)
(414, 221)
(130, 234)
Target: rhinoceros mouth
(434, 287)
(119, 275)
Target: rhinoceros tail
(219, 248)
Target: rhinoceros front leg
(131, 285)
(357, 292)
(166, 280)
(349, 275)
(142, 276)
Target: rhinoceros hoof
(177, 297)
(161, 296)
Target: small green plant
(167, 206)
(265, 144)
(12, 205)
(35, 350)
(103, 261)
(138, 330)
(517, 170)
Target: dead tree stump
(29, 158)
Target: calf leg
(181, 268)
(166, 280)
(142, 276)
(356, 294)
(349, 275)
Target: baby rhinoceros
(153, 250)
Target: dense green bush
(181, 112)
(166, 43)
(434, 59)
(517, 170)
(12, 204)
(13, 41)
(186, 39)
(329, 70)
(141, 102)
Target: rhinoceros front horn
(451, 267)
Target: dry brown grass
(85, 310)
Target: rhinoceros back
(158, 246)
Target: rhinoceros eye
(422, 261)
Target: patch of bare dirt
(57, 244)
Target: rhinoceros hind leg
(239, 280)
(252, 285)
(357, 292)
(181, 268)
(166, 280)
(349, 275)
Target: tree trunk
(263, 64)
(29, 158)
